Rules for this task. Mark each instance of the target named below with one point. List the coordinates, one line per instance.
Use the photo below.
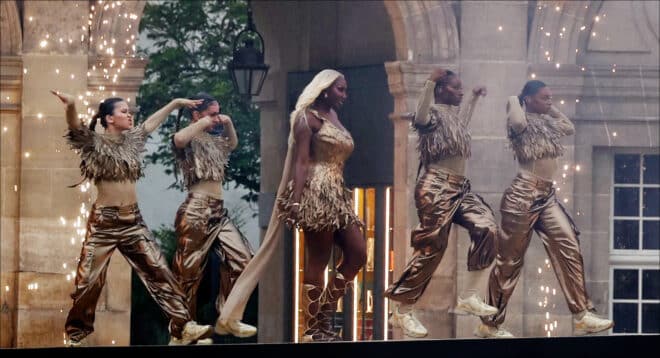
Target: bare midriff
(455, 164)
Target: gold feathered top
(446, 134)
(204, 158)
(540, 139)
(109, 157)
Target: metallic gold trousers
(122, 227)
(202, 224)
(528, 205)
(443, 198)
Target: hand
(188, 103)
(554, 111)
(224, 119)
(67, 99)
(479, 91)
(294, 216)
(211, 121)
(437, 74)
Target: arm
(465, 113)
(426, 97)
(564, 123)
(230, 131)
(156, 119)
(72, 119)
(516, 119)
(185, 135)
(422, 117)
(303, 138)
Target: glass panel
(366, 277)
(626, 168)
(258, 76)
(625, 317)
(242, 80)
(626, 201)
(651, 202)
(625, 284)
(651, 169)
(651, 284)
(626, 234)
(651, 235)
(650, 318)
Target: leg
(234, 251)
(418, 272)
(560, 239)
(513, 243)
(191, 254)
(436, 201)
(354, 251)
(318, 248)
(477, 217)
(90, 279)
(144, 255)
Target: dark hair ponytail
(531, 88)
(107, 107)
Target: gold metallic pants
(202, 224)
(528, 205)
(115, 227)
(443, 198)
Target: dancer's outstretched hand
(189, 103)
(480, 91)
(67, 99)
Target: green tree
(192, 44)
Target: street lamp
(247, 68)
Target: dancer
(112, 161)
(312, 196)
(443, 197)
(202, 223)
(530, 204)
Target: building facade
(600, 58)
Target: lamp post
(247, 67)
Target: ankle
(578, 316)
(404, 308)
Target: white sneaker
(193, 332)
(184, 342)
(408, 323)
(178, 342)
(475, 306)
(82, 342)
(485, 331)
(590, 323)
(235, 328)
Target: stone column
(10, 162)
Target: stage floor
(563, 347)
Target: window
(635, 300)
(635, 244)
(636, 204)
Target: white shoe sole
(584, 332)
(225, 331)
(466, 311)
